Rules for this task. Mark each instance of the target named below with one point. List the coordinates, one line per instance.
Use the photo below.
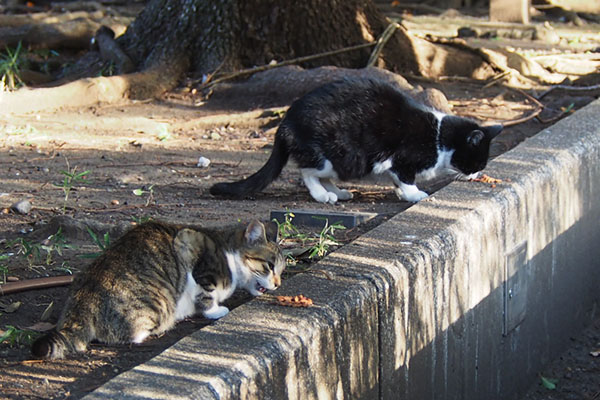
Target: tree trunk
(232, 34)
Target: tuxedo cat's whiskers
(352, 128)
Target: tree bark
(233, 34)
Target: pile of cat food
(487, 179)
(294, 301)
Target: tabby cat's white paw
(216, 312)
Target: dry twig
(251, 71)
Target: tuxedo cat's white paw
(341, 194)
(416, 197)
(344, 195)
(325, 197)
(216, 312)
(410, 193)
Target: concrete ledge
(465, 296)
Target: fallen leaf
(47, 312)
(297, 252)
(41, 327)
(11, 308)
(548, 383)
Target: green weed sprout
(325, 239)
(319, 245)
(72, 177)
(102, 244)
(150, 192)
(10, 65)
(3, 267)
(55, 243)
(15, 336)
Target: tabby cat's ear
(255, 233)
(272, 231)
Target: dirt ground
(141, 161)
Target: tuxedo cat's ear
(475, 137)
(493, 130)
(255, 233)
(272, 231)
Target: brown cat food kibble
(294, 301)
(487, 179)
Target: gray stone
(21, 207)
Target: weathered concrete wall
(464, 296)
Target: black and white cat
(353, 128)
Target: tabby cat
(150, 279)
(353, 128)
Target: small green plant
(55, 243)
(140, 220)
(549, 383)
(108, 69)
(316, 246)
(45, 55)
(3, 268)
(286, 229)
(325, 239)
(31, 251)
(10, 68)
(149, 192)
(64, 268)
(102, 244)
(71, 178)
(17, 337)
(163, 133)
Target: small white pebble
(203, 162)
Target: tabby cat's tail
(55, 344)
(261, 178)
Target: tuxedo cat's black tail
(263, 177)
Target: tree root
(54, 31)
(91, 91)
(111, 51)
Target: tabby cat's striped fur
(150, 279)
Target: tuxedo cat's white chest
(440, 168)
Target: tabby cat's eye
(271, 265)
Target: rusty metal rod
(38, 283)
